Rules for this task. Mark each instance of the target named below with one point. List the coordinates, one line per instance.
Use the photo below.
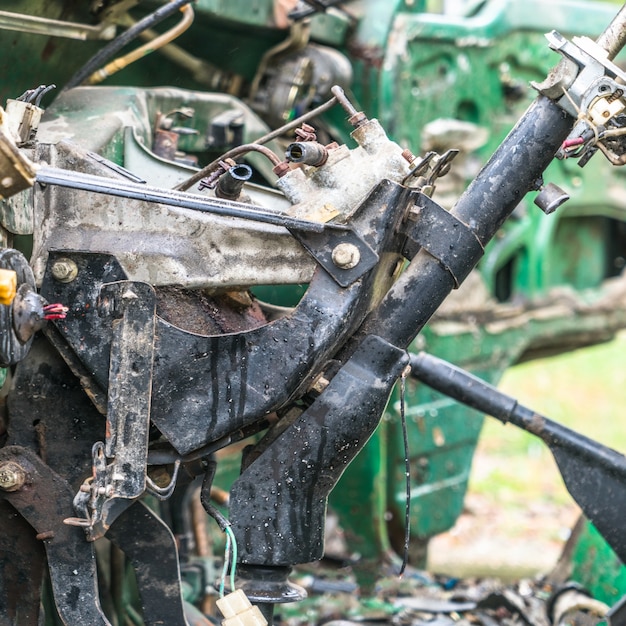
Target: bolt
(12, 476)
(408, 156)
(64, 270)
(346, 256)
(281, 169)
(47, 534)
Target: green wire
(225, 568)
(233, 542)
(230, 551)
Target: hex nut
(346, 256)
(64, 270)
(12, 476)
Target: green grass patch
(583, 390)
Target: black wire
(34, 96)
(110, 50)
(205, 496)
(407, 471)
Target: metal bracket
(113, 487)
(441, 234)
(319, 239)
(326, 248)
(44, 499)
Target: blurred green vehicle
(438, 76)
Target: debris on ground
(424, 599)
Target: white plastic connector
(237, 610)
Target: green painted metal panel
(596, 568)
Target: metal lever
(594, 475)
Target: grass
(518, 512)
(583, 390)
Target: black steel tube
(500, 186)
(595, 475)
(462, 386)
(480, 395)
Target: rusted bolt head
(346, 256)
(358, 119)
(281, 169)
(12, 476)
(64, 270)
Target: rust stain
(537, 424)
(371, 55)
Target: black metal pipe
(480, 395)
(594, 475)
(511, 172)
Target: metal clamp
(441, 234)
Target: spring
(615, 96)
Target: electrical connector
(238, 611)
(8, 286)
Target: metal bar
(130, 383)
(53, 28)
(613, 38)
(594, 475)
(45, 502)
(179, 199)
(490, 199)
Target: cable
(110, 50)
(225, 567)
(230, 552)
(151, 46)
(407, 471)
(233, 559)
